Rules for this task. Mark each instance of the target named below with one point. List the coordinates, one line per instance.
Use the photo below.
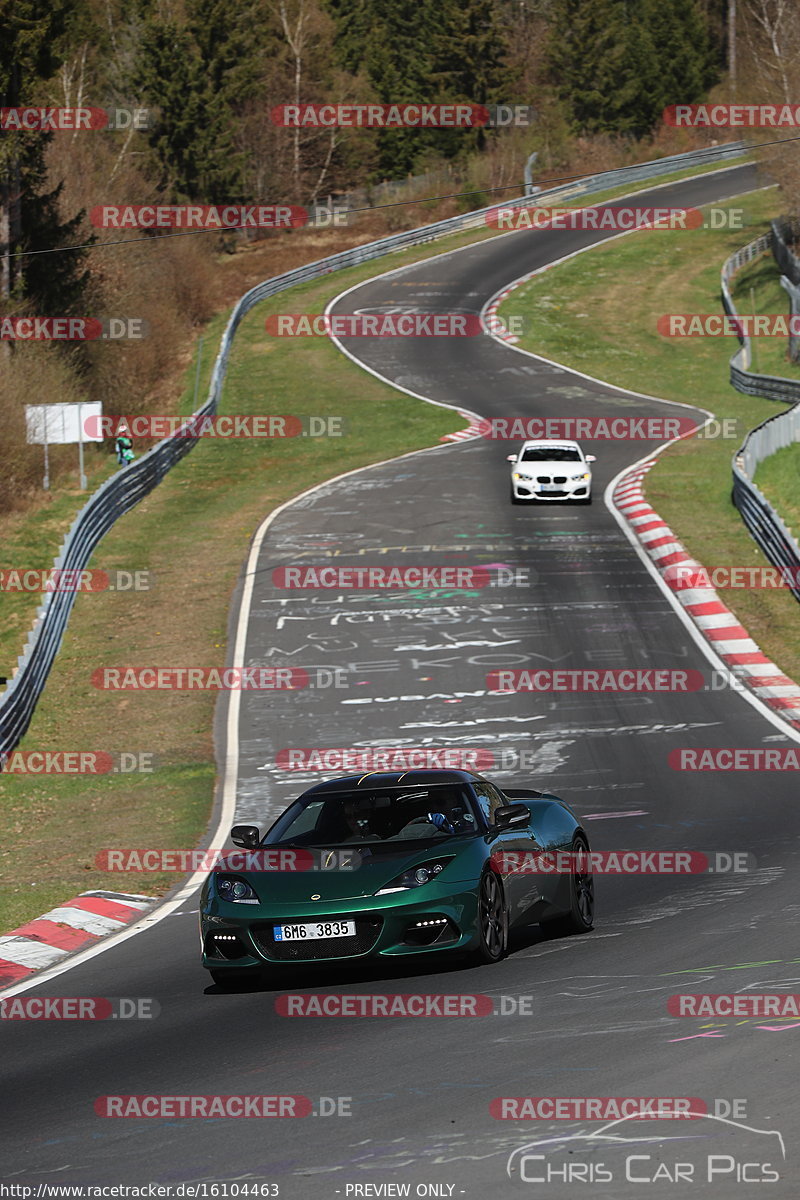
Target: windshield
(551, 454)
(386, 816)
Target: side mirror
(591, 458)
(511, 815)
(511, 458)
(246, 836)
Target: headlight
(416, 876)
(586, 475)
(239, 891)
(519, 475)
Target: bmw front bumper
(529, 489)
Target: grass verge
(758, 291)
(778, 477)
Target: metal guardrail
(769, 387)
(785, 232)
(126, 488)
(761, 519)
(764, 523)
(116, 496)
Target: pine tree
(230, 38)
(468, 58)
(586, 48)
(191, 140)
(52, 284)
(31, 48)
(619, 63)
(422, 51)
(686, 57)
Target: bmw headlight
(519, 475)
(585, 475)
(239, 891)
(416, 876)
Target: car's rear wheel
(492, 920)
(580, 917)
(234, 981)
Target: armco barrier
(127, 487)
(763, 522)
(785, 232)
(770, 387)
(774, 538)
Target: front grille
(367, 932)
(543, 479)
(559, 479)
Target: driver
(445, 814)
(357, 828)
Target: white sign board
(61, 424)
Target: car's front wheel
(492, 920)
(515, 498)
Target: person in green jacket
(124, 446)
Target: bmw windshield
(381, 817)
(551, 454)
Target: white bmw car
(551, 470)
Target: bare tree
(772, 33)
(295, 25)
(308, 155)
(770, 54)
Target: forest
(193, 88)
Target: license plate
(552, 487)
(317, 929)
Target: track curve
(595, 1020)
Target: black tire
(234, 981)
(515, 499)
(580, 918)
(492, 920)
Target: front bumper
(237, 936)
(529, 489)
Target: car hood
(551, 467)
(372, 873)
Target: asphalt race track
(583, 1016)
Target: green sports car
(390, 865)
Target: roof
(566, 442)
(391, 779)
